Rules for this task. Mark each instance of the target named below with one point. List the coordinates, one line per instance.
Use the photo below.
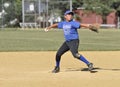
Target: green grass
(38, 40)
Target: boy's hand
(94, 27)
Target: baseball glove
(94, 27)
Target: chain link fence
(41, 13)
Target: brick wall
(90, 18)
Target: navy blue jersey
(70, 29)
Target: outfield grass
(38, 40)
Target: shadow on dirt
(95, 70)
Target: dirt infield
(33, 69)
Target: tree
(76, 4)
(116, 6)
(14, 10)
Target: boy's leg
(73, 45)
(64, 48)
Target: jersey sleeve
(60, 25)
(76, 24)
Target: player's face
(68, 17)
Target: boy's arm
(85, 25)
(52, 26)
(92, 27)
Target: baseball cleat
(56, 70)
(90, 66)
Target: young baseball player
(71, 43)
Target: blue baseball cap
(68, 12)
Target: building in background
(90, 18)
